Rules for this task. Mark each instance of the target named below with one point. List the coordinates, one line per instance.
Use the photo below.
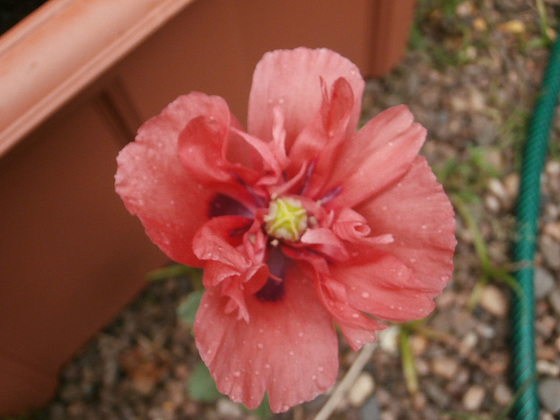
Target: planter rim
(60, 48)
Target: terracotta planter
(77, 78)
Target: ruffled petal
(230, 259)
(288, 349)
(291, 80)
(378, 155)
(357, 328)
(157, 188)
(319, 141)
(324, 241)
(384, 287)
(352, 227)
(214, 241)
(420, 217)
(214, 154)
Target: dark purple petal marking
(307, 178)
(222, 205)
(331, 194)
(273, 290)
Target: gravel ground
(470, 78)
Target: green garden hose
(522, 308)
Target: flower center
(286, 219)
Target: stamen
(286, 219)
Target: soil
(470, 77)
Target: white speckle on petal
(365, 295)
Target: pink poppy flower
(301, 222)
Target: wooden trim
(62, 47)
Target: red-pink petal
(155, 186)
(288, 348)
(206, 145)
(380, 153)
(420, 217)
(326, 242)
(357, 328)
(214, 241)
(290, 79)
(384, 287)
(352, 227)
(320, 139)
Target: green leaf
(164, 273)
(187, 309)
(201, 386)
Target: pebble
(498, 189)
(551, 251)
(546, 325)
(445, 367)
(492, 203)
(544, 282)
(388, 340)
(502, 394)
(473, 398)
(511, 184)
(228, 409)
(552, 229)
(419, 344)
(370, 410)
(437, 395)
(469, 341)
(494, 301)
(361, 390)
(545, 367)
(554, 299)
(549, 394)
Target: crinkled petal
(291, 80)
(212, 152)
(357, 328)
(288, 348)
(214, 241)
(352, 227)
(420, 217)
(157, 188)
(319, 140)
(326, 242)
(378, 155)
(384, 287)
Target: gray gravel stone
(544, 282)
(549, 394)
(551, 252)
(554, 299)
(370, 410)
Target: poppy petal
(384, 287)
(157, 188)
(288, 348)
(421, 219)
(381, 153)
(291, 80)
